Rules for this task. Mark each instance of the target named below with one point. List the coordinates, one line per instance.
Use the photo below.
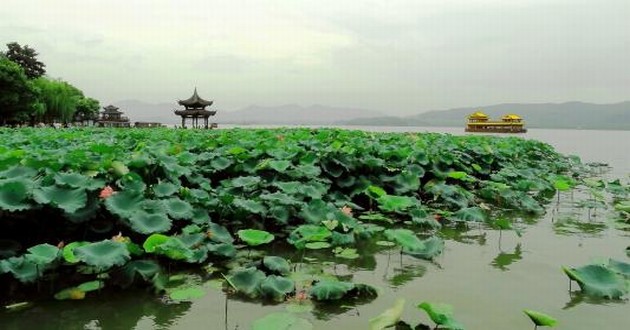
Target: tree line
(28, 96)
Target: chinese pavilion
(510, 123)
(112, 117)
(195, 108)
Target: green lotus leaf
(316, 211)
(164, 189)
(104, 254)
(389, 317)
(291, 187)
(442, 315)
(147, 269)
(376, 217)
(187, 293)
(405, 238)
(432, 247)
(176, 249)
(598, 281)
(317, 245)
(226, 250)
(562, 184)
(254, 237)
(385, 243)
(245, 181)
(221, 163)
(346, 253)
(330, 290)
(277, 264)
(457, 175)
(308, 233)
(470, 214)
(14, 194)
(398, 204)
(146, 223)
(247, 281)
(249, 205)
(91, 286)
(307, 171)
(623, 206)
(540, 319)
(68, 251)
(152, 242)
(406, 182)
(620, 267)
(42, 254)
(279, 165)
(279, 198)
(375, 192)
(276, 287)
(86, 213)
(68, 199)
(178, 209)
(72, 180)
(18, 172)
(338, 238)
(132, 182)
(218, 233)
(23, 270)
(124, 203)
(281, 321)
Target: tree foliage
(26, 57)
(17, 93)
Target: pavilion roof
(195, 101)
(511, 116)
(111, 109)
(478, 115)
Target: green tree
(18, 96)
(87, 109)
(26, 57)
(58, 100)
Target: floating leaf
(317, 245)
(254, 237)
(187, 293)
(598, 281)
(389, 317)
(346, 253)
(330, 290)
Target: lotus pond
(306, 228)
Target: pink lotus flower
(346, 210)
(106, 192)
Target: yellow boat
(480, 122)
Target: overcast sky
(396, 56)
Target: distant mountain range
(571, 115)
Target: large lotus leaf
(247, 281)
(316, 211)
(281, 321)
(277, 264)
(67, 199)
(249, 205)
(73, 180)
(433, 246)
(132, 182)
(14, 194)
(290, 187)
(178, 209)
(407, 182)
(598, 281)
(219, 233)
(442, 315)
(254, 237)
(164, 189)
(540, 319)
(86, 213)
(346, 253)
(279, 198)
(187, 293)
(176, 249)
(405, 238)
(470, 214)
(245, 181)
(18, 172)
(23, 270)
(389, 317)
(226, 250)
(308, 233)
(276, 287)
(279, 165)
(620, 267)
(306, 171)
(124, 203)
(42, 254)
(146, 223)
(330, 290)
(104, 254)
(399, 204)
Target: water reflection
(503, 260)
(108, 311)
(463, 234)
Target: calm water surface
(488, 276)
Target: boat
(480, 122)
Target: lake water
(488, 276)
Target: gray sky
(396, 56)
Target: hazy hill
(253, 115)
(576, 115)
